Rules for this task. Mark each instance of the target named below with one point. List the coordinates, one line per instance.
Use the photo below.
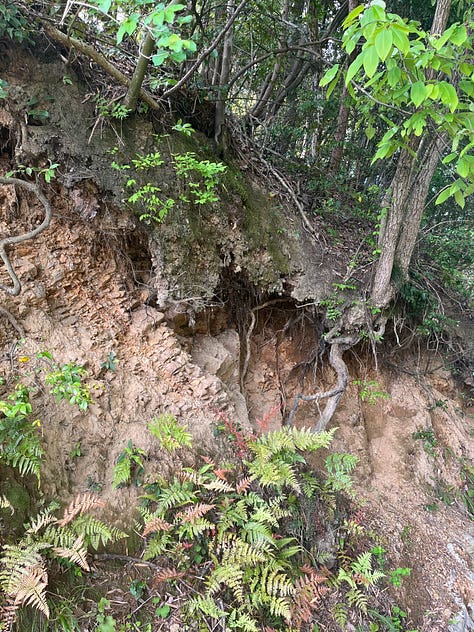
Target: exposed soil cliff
(174, 304)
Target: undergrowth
(235, 545)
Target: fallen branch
(17, 239)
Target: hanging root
(17, 239)
(338, 346)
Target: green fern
(205, 605)
(339, 467)
(234, 532)
(23, 566)
(122, 473)
(340, 612)
(170, 433)
(19, 439)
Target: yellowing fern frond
(77, 553)
(30, 589)
(156, 524)
(82, 503)
(191, 514)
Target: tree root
(338, 346)
(17, 239)
(13, 321)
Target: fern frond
(280, 607)
(170, 434)
(241, 620)
(244, 553)
(122, 472)
(191, 530)
(357, 598)
(176, 495)
(30, 589)
(205, 605)
(257, 532)
(278, 583)
(307, 440)
(8, 615)
(28, 461)
(156, 524)
(229, 575)
(82, 503)
(191, 514)
(166, 575)
(157, 545)
(309, 590)
(339, 613)
(42, 520)
(242, 486)
(77, 553)
(218, 486)
(16, 560)
(96, 533)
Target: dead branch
(17, 239)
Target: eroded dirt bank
(100, 290)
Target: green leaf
(448, 95)
(370, 60)
(329, 75)
(128, 26)
(331, 87)
(400, 40)
(354, 68)
(383, 43)
(418, 93)
(393, 76)
(370, 131)
(178, 56)
(160, 57)
(465, 166)
(104, 5)
(459, 197)
(445, 194)
(352, 16)
(459, 36)
(467, 87)
(449, 158)
(439, 41)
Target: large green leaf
(383, 43)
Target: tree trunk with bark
(405, 202)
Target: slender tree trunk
(136, 81)
(223, 81)
(342, 118)
(405, 202)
